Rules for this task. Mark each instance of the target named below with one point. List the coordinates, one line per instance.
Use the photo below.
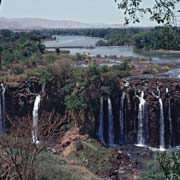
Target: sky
(87, 11)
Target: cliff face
(20, 100)
(160, 125)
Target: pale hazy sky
(89, 11)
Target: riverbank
(158, 51)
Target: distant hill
(32, 23)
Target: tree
(162, 11)
(57, 50)
(18, 155)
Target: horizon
(61, 20)
(84, 11)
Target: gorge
(144, 113)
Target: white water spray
(100, 133)
(2, 109)
(170, 119)
(162, 137)
(142, 118)
(111, 124)
(35, 119)
(161, 121)
(121, 119)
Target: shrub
(17, 70)
(57, 50)
(152, 171)
(46, 74)
(50, 58)
(125, 66)
(75, 102)
(170, 164)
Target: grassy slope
(90, 154)
(53, 167)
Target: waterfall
(43, 88)
(111, 124)
(142, 118)
(35, 119)
(170, 123)
(100, 134)
(161, 119)
(2, 109)
(170, 119)
(161, 133)
(121, 119)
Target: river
(128, 51)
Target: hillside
(32, 23)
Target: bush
(57, 50)
(152, 171)
(125, 66)
(170, 164)
(17, 70)
(50, 58)
(101, 43)
(46, 74)
(75, 102)
(153, 69)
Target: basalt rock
(169, 92)
(20, 99)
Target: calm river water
(128, 51)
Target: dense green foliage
(112, 37)
(167, 38)
(170, 164)
(152, 171)
(19, 46)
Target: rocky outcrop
(169, 90)
(20, 99)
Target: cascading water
(2, 109)
(162, 137)
(35, 119)
(43, 88)
(142, 120)
(100, 134)
(161, 121)
(111, 124)
(170, 119)
(121, 119)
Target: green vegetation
(167, 38)
(165, 165)
(19, 46)
(76, 91)
(152, 171)
(53, 167)
(170, 164)
(112, 37)
(91, 154)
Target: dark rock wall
(20, 100)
